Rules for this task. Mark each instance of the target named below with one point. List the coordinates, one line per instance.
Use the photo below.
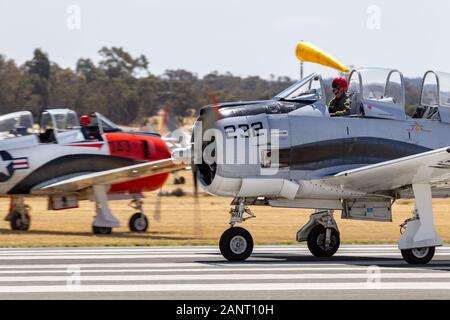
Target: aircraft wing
(428, 167)
(109, 177)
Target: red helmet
(85, 120)
(340, 83)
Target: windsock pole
(301, 67)
(301, 70)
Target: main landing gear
(417, 242)
(419, 237)
(321, 234)
(138, 221)
(105, 221)
(19, 214)
(236, 243)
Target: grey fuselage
(310, 145)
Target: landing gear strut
(19, 214)
(138, 221)
(417, 243)
(321, 234)
(236, 243)
(104, 220)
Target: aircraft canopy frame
(436, 94)
(16, 124)
(376, 93)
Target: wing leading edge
(109, 177)
(428, 167)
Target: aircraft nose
(204, 153)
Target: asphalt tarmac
(272, 272)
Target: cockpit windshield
(435, 89)
(106, 124)
(308, 89)
(380, 84)
(60, 119)
(444, 88)
(16, 124)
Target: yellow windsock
(308, 52)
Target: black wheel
(101, 230)
(418, 255)
(316, 242)
(180, 180)
(19, 223)
(138, 222)
(236, 244)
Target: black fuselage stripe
(67, 165)
(348, 151)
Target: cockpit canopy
(16, 124)
(374, 92)
(60, 120)
(435, 97)
(377, 93)
(55, 126)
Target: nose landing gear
(236, 243)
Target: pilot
(84, 121)
(340, 105)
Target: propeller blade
(197, 214)
(157, 211)
(194, 176)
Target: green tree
(38, 70)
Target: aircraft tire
(316, 242)
(101, 230)
(17, 223)
(138, 222)
(236, 244)
(418, 255)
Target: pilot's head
(339, 86)
(85, 120)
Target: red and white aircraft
(67, 162)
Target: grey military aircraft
(288, 152)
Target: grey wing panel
(428, 167)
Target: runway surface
(273, 272)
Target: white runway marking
(193, 270)
(231, 276)
(204, 269)
(135, 250)
(191, 256)
(231, 287)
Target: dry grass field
(180, 223)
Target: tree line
(121, 87)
